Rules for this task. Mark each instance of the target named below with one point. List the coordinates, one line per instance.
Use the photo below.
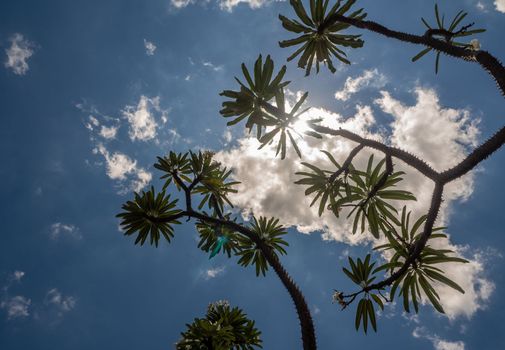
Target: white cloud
(18, 54)
(500, 5)
(480, 6)
(227, 136)
(438, 343)
(58, 229)
(61, 302)
(440, 135)
(181, 3)
(368, 78)
(119, 165)
(213, 273)
(108, 132)
(228, 5)
(150, 47)
(225, 5)
(141, 118)
(470, 277)
(212, 66)
(122, 168)
(16, 307)
(17, 275)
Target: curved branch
(408, 158)
(473, 159)
(487, 61)
(346, 164)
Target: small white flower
(475, 44)
(338, 297)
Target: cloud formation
(213, 273)
(181, 3)
(146, 121)
(225, 5)
(108, 132)
(18, 54)
(440, 135)
(141, 118)
(229, 5)
(62, 303)
(370, 77)
(438, 343)
(16, 307)
(124, 169)
(212, 66)
(17, 275)
(499, 5)
(59, 229)
(150, 47)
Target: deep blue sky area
(68, 277)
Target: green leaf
(359, 313)
(421, 54)
(293, 142)
(371, 313)
(441, 278)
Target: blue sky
(93, 91)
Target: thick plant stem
(306, 323)
(487, 61)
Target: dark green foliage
(247, 102)
(223, 328)
(209, 234)
(320, 40)
(355, 189)
(269, 232)
(149, 215)
(451, 32)
(174, 164)
(254, 103)
(361, 273)
(209, 177)
(284, 121)
(413, 285)
(420, 275)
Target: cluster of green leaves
(361, 274)
(358, 190)
(223, 328)
(450, 39)
(270, 233)
(209, 177)
(149, 214)
(152, 214)
(284, 120)
(253, 102)
(419, 280)
(320, 39)
(210, 233)
(423, 273)
(247, 102)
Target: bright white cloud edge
(499, 5)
